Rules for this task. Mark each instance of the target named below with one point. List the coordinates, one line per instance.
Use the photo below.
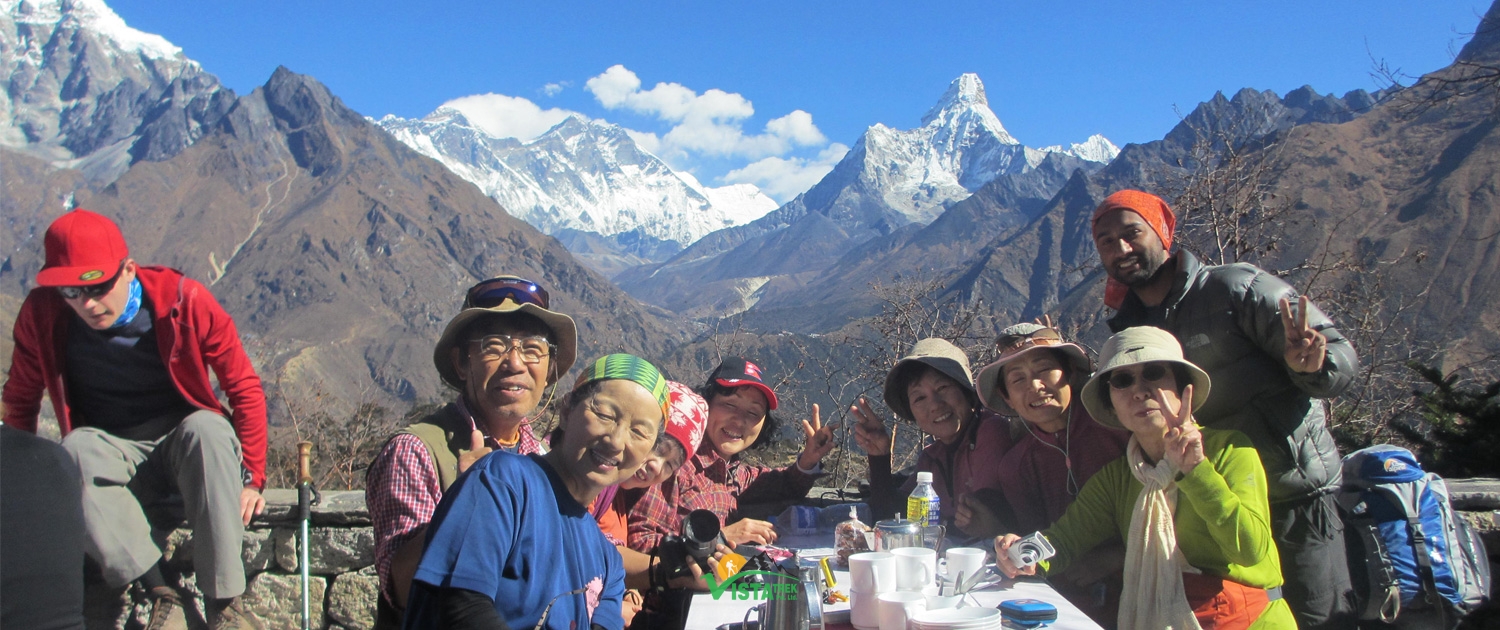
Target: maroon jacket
(193, 333)
(968, 466)
(1035, 471)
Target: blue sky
(737, 74)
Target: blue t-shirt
(508, 529)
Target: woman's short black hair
(1179, 373)
(914, 371)
(1062, 359)
(711, 390)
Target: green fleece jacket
(1223, 520)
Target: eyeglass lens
(1124, 380)
(531, 349)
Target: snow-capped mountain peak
(1096, 148)
(95, 16)
(86, 91)
(965, 108)
(582, 174)
(960, 147)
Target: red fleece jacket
(194, 335)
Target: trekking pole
(306, 497)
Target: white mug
(964, 561)
(864, 610)
(916, 568)
(872, 572)
(896, 608)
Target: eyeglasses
(497, 347)
(1011, 344)
(92, 291)
(542, 622)
(1152, 373)
(492, 292)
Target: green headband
(631, 368)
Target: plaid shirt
(709, 482)
(402, 491)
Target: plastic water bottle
(924, 506)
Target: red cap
(740, 372)
(83, 248)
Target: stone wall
(343, 585)
(342, 557)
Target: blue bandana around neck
(132, 306)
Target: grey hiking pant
(1310, 538)
(199, 458)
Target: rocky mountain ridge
(87, 92)
(890, 179)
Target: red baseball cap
(83, 248)
(740, 372)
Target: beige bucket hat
(1017, 341)
(933, 352)
(1140, 344)
(498, 296)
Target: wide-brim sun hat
(1016, 342)
(938, 354)
(1133, 346)
(564, 333)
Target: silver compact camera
(1030, 550)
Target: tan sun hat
(1017, 341)
(498, 296)
(938, 354)
(1132, 346)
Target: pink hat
(687, 416)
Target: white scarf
(1154, 598)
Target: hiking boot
(226, 614)
(166, 610)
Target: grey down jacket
(1229, 323)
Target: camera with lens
(700, 537)
(1030, 550)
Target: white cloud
(647, 140)
(508, 116)
(785, 178)
(798, 128)
(711, 123)
(553, 89)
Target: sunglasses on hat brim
(1012, 344)
(493, 292)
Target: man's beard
(1145, 270)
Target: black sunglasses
(1152, 373)
(492, 292)
(92, 291)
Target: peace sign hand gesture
(869, 431)
(819, 441)
(1184, 441)
(1305, 347)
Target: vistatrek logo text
(745, 589)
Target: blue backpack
(1409, 556)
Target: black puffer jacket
(1229, 323)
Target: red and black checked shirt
(402, 491)
(709, 482)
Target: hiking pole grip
(304, 462)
